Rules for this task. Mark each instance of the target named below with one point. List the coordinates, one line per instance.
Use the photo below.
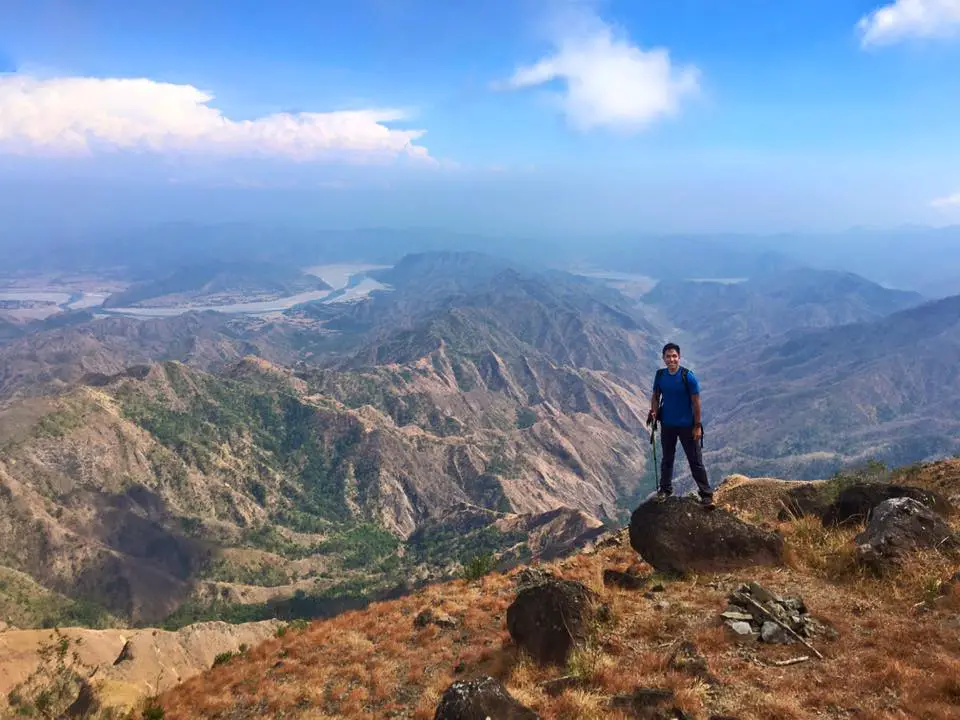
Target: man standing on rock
(676, 406)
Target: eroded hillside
(168, 485)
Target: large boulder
(855, 502)
(551, 618)
(898, 526)
(680, 536)
(481, 699)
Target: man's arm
(654, 406)
(696, 409)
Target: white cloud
(950, 201)
(609, 82)
(910, 18)
(78, 115)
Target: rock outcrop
(549, 619)
(855, 503)
(481, 699)
(898, 526)
(679, 536)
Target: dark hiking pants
(668, 439)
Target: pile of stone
(755, 613)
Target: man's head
(671, 356)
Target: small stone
(761, 594)
(736, 616)
(662, 605)
(658, 588)
(773, 633)
(445, 621)
(795, 604)
(740, 627)
(427, 616)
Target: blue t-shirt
(677, 405)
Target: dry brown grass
(897, 653)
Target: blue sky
(531, 114)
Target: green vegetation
(347, 595)
(298, 625)
(26, 604)
(465, 381)
(83, 613)
(287, 434)
(360, 546)
(443, 545)
(526, 418)
(478, 566)
(267, 537)
(52, 687)
(872, 471)
(264, 574)
(59, 422)
(223, 658)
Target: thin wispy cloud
(80, 115)
(608, 81)
(905, 19)
(950, 201)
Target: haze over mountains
(911, 258)
(253, 463)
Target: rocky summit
(680, 536)
(666, 646)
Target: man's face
(672, 360)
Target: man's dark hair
(670, 346)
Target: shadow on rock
(680, 536)
(481, 699)
(549, 619)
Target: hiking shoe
(707, 502)
(662, 495)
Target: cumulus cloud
(910, 18)
(950, 201)
(609, 82)
(79, 115)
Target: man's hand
(651, 416)
(697, 432)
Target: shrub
(478, 566)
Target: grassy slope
(895, 655)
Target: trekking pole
(653, 442)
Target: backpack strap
(686, 384)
